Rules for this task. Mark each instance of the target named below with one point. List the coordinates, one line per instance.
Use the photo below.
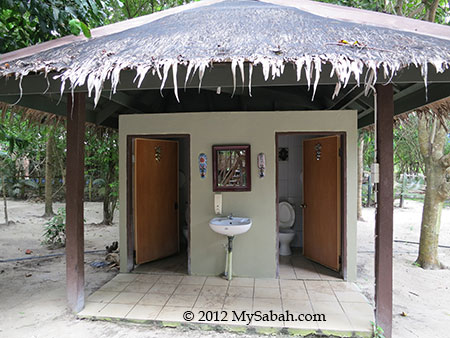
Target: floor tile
(193, 280)
(115, 310)
(350, 296)
(182, 300)
(216, 281)
(92, 309)
(267, 283)
(287, 293)
(127, 298)
(151, 279)
(102, 296)
(267, 292)
(125, 277)
(335, 322)
(359, 314)
(187, 289)
(172, 313)
(163, 288)
(114, 286)
(242, 281)
(144, 312)
(214, 290)
(240, 291)
(154, 299)
(292, 284)
(266, 304)
(170, 279)
(238, 303)
(141, 287)
(305, 321)
(330, 307)
(209, 301)
(298, 306)
(343, 286)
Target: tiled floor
(166, 297)
(290, 267)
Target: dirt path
(35, 306)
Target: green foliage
(417, 9)
(27, 22)
(126, 9)
(378, 332)
(55, 230)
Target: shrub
(55, 230)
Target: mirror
(231, 168)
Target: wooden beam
(126, 101)
(76, 116)
(384, 210)
(220, 75)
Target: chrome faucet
(230, 216)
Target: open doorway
(158, 205)
(310, 205)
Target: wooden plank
(385, 210)
(74, 201)
(155, 199)
(322, 191)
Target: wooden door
(155, 199)
(322, 200)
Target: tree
(27, 22)
(432, 133)
(102, 161)
(430, 141)
(360, 173)
(49, 171)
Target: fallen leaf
(28, 274)
(403, 314)
(28, 252)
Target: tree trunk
(360, 175)
(402, 191)
(5, 202)
(431, 219)
(109, 200)
(49, 156)
(431, 143)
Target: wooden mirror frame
(247, 168)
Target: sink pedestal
(229, 259)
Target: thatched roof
(261, 33)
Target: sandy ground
(35, 306)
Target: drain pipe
(375, 169)
(228, 274)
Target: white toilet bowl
(286, 217)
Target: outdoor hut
(232, 72)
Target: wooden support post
(76, 117)
(385, 209)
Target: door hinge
(341, 152)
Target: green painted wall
(255, 251)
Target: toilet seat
(286, 216)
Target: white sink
(230, 226)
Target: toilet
(286, 219)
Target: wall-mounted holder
(283, 154)
(261, 165)
(318, 149)
(158, 153)
(202, 164)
